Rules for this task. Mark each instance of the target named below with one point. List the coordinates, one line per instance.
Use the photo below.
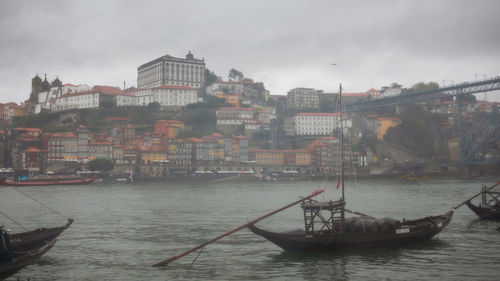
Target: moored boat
(327, 228)
(489, 209)
(48, 181)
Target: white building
(231, 87)
(165, 95)
(168, 70)
(88, 99)
(319, 124)
(49, 99)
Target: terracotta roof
(28, 129)
(105, 90)
(34, 149)
(318, 114)
(153, 148)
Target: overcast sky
(285, 44)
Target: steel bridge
(409, 96)
(476, 143)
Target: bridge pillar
(458, 114)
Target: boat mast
(342, 213)
(341, 144)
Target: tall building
(168, 70)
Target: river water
(120, 230)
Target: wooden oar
(169, 260)
(491, 187)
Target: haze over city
(285, 44)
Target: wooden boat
(489, 209)
(48, 181)
(327, 228)
(25, 241)
(20, 259)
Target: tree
(421, 86)
(210, 77)
(235, 74)
(154, 106)
(101, 164)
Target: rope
(11, 219)
(41, 203)
(196, 258)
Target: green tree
(422, 86)
(210, 77)
(469, 98)
(101, 164)
(154, 106)
(235, 74)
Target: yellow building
(154, 154)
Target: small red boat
(49, 181)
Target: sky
(283, 43)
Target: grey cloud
(284, 43)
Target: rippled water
(121, 230)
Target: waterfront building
(169, 70)
(179, 153)
(27, 151)
(303, 98)
(153, 154)
(62, 147)
(85, 150)
(102, 147)
(319, 124)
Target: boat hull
(410, 231)
(48, 182)
(21, 259)
(491, 213)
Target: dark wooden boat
(489, 209)
(20, 259)
(25, 241)
(373, 234)
(48, 181)
(327, 228)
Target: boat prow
(26, 241)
